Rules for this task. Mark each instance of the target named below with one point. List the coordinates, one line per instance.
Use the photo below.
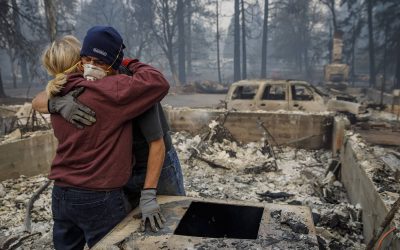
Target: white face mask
(92, 73)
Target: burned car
(290, 95)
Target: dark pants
(84, 216)
(170, 182)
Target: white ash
(298, 172)
(12, 213)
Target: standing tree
(296, 41)
(331, 4)
(13, 51)
(387, 16)
(188, 40)
(217, 38)
(236, 51)
(3, 31)
(12, 39)
(51, 17)
(143, 16)
(164, 30)
(22, 35)
(2, 93)
(264, 42)
(352, 25)
(244, 55)
(181, 42)
(253, 23)
(371, 47)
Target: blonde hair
(59, 58)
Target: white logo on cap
(99, 51)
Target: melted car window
(244, 92)
(301, 93)
(274, 92)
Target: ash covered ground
(222, 169)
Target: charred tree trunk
(51, 17)
(331, 6)
(181, 42)
(11, 55)
(189, 13)
(236, 52)
(244, 55)
(307, 67)
(397, 82)
(164, 32)
(330, 45)
(383, 83)
(335, 26)
(24, 71)
(264, 43)
(218, 51)
(353, 56)
(18, 39)
(371, 47)
(2, 93)
(171, 63)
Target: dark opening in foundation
(214, 220)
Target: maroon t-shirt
(100, 156)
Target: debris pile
(382, 165)
(17, 120)
(248, 172)
(219, 168)
(14, 197)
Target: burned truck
(291, 95)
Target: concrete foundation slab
(279, 227)
(298, 129)
(356, 175)
(30, 156)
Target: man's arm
(148, 202)
(144, 88)
(151, 129)
(154, 163)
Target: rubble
(385, 170)
(20, 121)
(299, 179)
(12, 213)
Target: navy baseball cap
(104, 43)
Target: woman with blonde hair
(93, 164)
(58, 58)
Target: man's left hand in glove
(150, 210)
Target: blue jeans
(169, 183)
(84, 216)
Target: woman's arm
(39, 103)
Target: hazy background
(181, 36)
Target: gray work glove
(71, 109)
(150, 210)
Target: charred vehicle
(289, 95)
